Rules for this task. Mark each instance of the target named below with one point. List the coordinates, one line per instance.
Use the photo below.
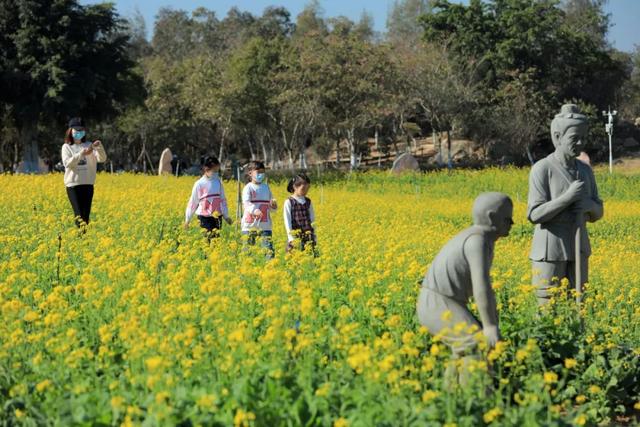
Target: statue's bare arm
(477, 253)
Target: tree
(354, 78)
(403, 21)
(162, 119)
(247, 90)
(508, 39)
(274, 22)
(520, 117)
(588, 17)
(136, 27)
(442, 90)
(236, 28)
(172, 33)
(60, 59)
(630, 92)
(310, 21)
(295, 106)
(178, 35)
(527, 36)
(206, 96)
(364, 28)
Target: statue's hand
(574, 192)
(492, 335)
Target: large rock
(405, 163)
(165, 163)
(630, 143)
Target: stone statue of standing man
(563, 196)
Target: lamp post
(608, 127)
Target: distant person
(584, 158)
(258, 202)
(208, 200)
(461, 270)
(80, 159)
(299, 215)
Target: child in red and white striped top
(208, 200)
(258, 202)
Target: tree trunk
(28, 136)
(273, 157)
(16, 156)
(223, 138)
(375, 136)
(251, 152)
(264, 150)
(303, 160)
(338, 152)
(530, 155)
(353, 155)
(437, 144)
(449, 159)
(290, 155)
(288, 148)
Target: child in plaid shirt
(299, 215)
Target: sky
(623, 35)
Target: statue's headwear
(568, 116)
(488, 202)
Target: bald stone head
(494, 210)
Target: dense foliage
(281, 88)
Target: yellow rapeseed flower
(550, 377)
(491, 415)
(341, 422)
(429, 395)
(153, 363)
(43, 385)
(580, 420)
(243, 419)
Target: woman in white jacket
(80, 159)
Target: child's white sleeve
(286, 213)
(246, 200)
(192, 205)
(223, 202)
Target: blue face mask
(214, 175)
(77, 134)
(259, 177)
